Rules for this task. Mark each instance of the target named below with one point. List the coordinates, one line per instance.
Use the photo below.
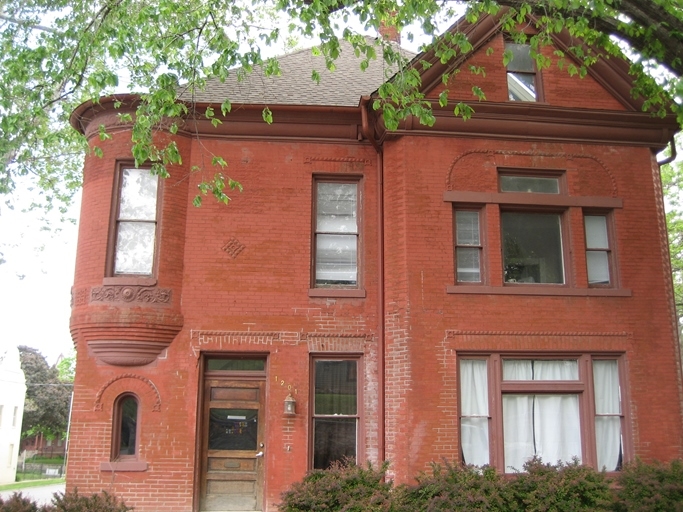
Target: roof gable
(607, 84)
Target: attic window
(521, 73)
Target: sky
(36, 279)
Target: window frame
(611, 253)
(583, 387)
(535, 73)
(481, 212)
(494, 203)
(360, 445)
(337, 290)
(117, 418)
(110, 274)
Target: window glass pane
(138, 195)
(336, 259)
(537, 184)
(521, 87)
(547, 426)
(129, 422)
(468, 265)
(597, 263)
(333, 439)
(474, 408)
(596, 232)
(541, 369)
(521, 57)
(256, 365)
(336, 387)
(336, 207)
(608, 442)
(233, 429)
(135, 248)
(532, 248)
(606, 383)
(467, 228)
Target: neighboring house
(12, 395)
(480, 291)
(40, 446)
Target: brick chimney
(389, 33)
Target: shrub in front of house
(344, 487)
(66, 502)
(17, 503)
(565, 487)
(652, 487)
(450, 487)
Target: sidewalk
(41, 495)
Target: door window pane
(532, 248)
(233, 429)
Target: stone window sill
(337, 293)
(129, 281)
(124, 465)
(562, 291)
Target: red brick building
(481, 291)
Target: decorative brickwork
(233, 248)
(141, 294)
(152, 386)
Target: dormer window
(521, 73)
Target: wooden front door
(233, 445)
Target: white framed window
(547, 407)
(598, 250)
(336, 233)
(135, 229)
(468, 246)
(521, 73)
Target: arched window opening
(126, 424)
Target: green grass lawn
(31, 483)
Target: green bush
(650, 487)
(66, 502)
(567, 487)
(345, 487)
(17, 503)
(74, 502)
(451, 488)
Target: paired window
(532, 210)
(336, 234)
(135, 230)
(125, 427)
(521, 73)
(335, 411)
(553, 408)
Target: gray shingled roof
(342, 87)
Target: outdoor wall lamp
(290, 405)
